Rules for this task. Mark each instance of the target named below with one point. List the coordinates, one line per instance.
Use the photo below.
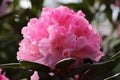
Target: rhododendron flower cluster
(2, 76)
(3, 7)
(59, 33)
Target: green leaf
(108, 13)
(35, 66)
(112, 77)
(23, 73)
(79, 70)
(115, 42)
(99, 69)
(90, 2)
(115, 56)
(15, 3)
(37, 3)
(44, 76)
(10, 65)
(65, 63)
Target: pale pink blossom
(3, 7)
(2, 76)
(59, 33)
(35, 76)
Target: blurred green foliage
(17, 17)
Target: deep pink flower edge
(2, 76)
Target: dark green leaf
(112, 77)
(10, 65)
(115, 43)
(65, 63)
(35, 66)
(79, 70)
(99, 69)
(118, 18)
(15, 3)
(44, 76)
(89, 2)
(115, 56)
(37, 3)
(23, 73)
(108, 13)
(106, 2)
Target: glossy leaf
(10, 65)
(35, 66)
(65, 63)
(112, 77)
(23, 73)
(44, 76)
(115, 56)
(79, 70)
(99, 69)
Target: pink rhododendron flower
(2, 76)
(59, 33)
(35, 76)
(3, 7)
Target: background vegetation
(104, 15)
